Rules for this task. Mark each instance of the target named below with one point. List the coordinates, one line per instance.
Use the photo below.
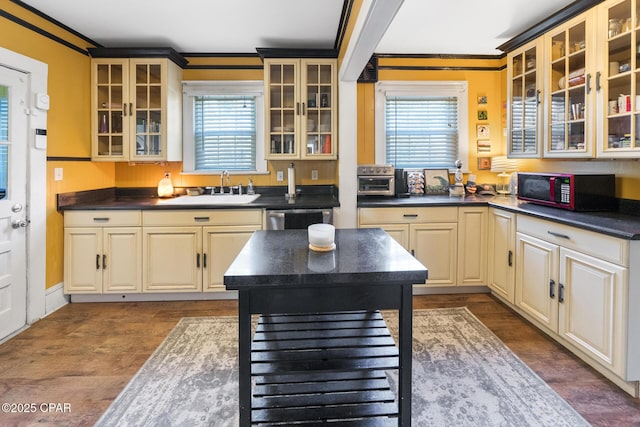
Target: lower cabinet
(102, 252)
(501, 253)
(189, 251)
(450, 241)
(573, 284)
(153, 251)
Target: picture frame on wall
(436, 181)
(484, 163)
(482, 132)
(483, 115)
(482, 100)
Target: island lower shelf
(327, 367)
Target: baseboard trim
(426, 290)
(55, 299)
(185, 296)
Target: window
(223, 127)
(421, 124)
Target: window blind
(421, 131)
(225, 132)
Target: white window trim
(194, 88)
(459, 89)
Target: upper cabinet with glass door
(621, 65)
(570, 97)
(137, 109)
(524, 80)
(301, 116)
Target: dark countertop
(309, 197)
(619, 223)
(360, 256)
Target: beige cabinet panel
(501, 253)
(172, 259)
(399, 232)
(472, 246)
(82, 260)
(592, 301)
(536, 279)
(221, 246)
(122, 260)
(435, 246)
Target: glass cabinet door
(147, 95)
(110, 109)
(524, 102)
(284, 107)
(569, 92)
(320, 100)
(622, 110)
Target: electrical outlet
(57, 174)
(314, 175)
(279, 176)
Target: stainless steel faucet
(225, 173)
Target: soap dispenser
(165, 187)
(250, 189)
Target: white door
(13, 209)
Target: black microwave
(576, 192)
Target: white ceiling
(463, 27)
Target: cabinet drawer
(102, 218)
(407, 215)
(598, 245)
(202, 217)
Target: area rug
(463, 375)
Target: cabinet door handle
(303, 109)
(124, 109)
(297, 108)
(560, 293)
(598, 74)
(204, 260)
(200, 218)
(101, 219)
(197, 260)
(510, 258)
(561, 236)
(131, 108)
(538, 93)
(588, 88)
(552, 289)
(97, 261)
(410, 215)
(413, 252)
(104, 262)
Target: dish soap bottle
(250, 189)
(165, 187)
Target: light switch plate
(57, 174)
(279, 176)
(314, 175)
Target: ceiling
(464, 27)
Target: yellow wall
(484, 79)
(68, 120)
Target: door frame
(36, 181)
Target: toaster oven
(376, 180)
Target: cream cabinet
(450, 241)
(136, 109)
(501, 253)
(189, 250)
(472, 246)
(301, 101)
(573, 283)
(572, 83)
(620, 65)
(525, 79)
(102, 252)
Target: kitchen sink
(218, 199)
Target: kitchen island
(277, 273)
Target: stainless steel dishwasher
(286, 219)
